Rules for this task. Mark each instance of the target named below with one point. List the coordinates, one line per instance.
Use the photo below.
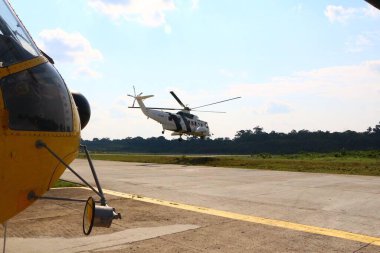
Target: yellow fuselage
(25, 169)
(35, 105)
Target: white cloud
(234, 74)
(374, 66)
(151, 13)
(339, 13)
(277, 108)
(363, 41)
(342, 14)
(342, 81)
(371, 11)
(72, 48)
(195, 4)
(334, 98)
(86, 71)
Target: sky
(311, 65)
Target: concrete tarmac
(342, 202)
(55, 226)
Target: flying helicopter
(181, 123)
(40, 126)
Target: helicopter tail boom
(143, 108)
(143, 97)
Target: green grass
(353, 163)
(63, 183)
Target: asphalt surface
(54, 226)
(343, 202)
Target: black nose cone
(83, 107)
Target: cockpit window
(15, 44)
(37, 100)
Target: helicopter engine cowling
(83, 107)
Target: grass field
(353, 163)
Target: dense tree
(247, 142)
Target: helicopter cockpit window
(37, 100)
(15, 44)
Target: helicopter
(181, 123)
(40, 126)
(375, 3)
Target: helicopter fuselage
(35, 107)
(180, 123)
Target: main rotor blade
(176, 98)
(156, 108)
(215, 103)
(207, 111)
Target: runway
(347, 204)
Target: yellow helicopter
(375, 3)
(40, 125)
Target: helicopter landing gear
(94, 215)
(180, 138)
(5, 235)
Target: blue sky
(297, 64)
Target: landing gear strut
(94, 215)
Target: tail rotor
(135, 96)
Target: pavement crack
(363, 247)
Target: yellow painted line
(253, 219)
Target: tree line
(251, 141)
